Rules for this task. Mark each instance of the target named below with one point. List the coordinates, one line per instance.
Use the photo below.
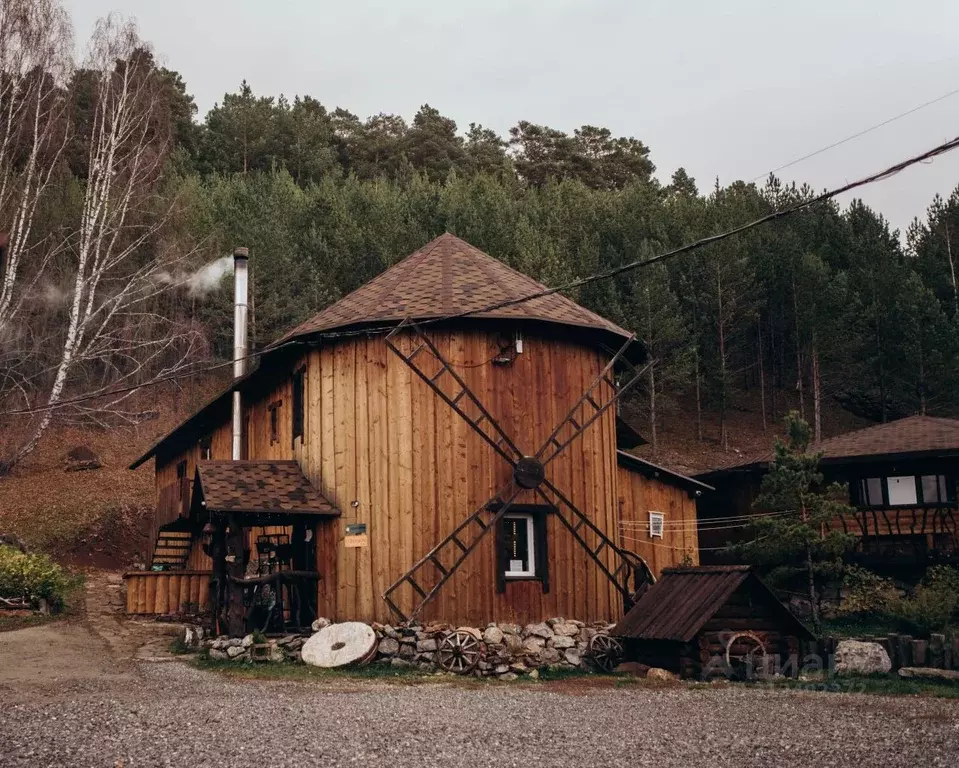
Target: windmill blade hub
(529, 472)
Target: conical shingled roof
(445, 277)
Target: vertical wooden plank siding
(638, 496)
(379, 437)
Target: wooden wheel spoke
(459, 652)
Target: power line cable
(940, 149)
(856, 135)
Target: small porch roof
(258, 488)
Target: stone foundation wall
(509, 650)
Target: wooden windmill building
(415, 462)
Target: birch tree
(114, 335)
(35, 63)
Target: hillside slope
(100, 517)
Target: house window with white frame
(519, 541)
(656, 524)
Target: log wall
(160, 592)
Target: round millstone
(339, 645)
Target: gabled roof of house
(259, 487)
(678, 605)
(448, 276)
(913, 436)
(658, 472)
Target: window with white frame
(656, 524)
(519, 542)
(905, 491)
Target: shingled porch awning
(254, 489)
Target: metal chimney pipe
(241, 258)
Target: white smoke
(208, 277)
(201, 282)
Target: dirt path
(96, 647)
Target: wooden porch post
(235, 569)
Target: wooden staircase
(171, 550)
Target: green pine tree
(795, 537)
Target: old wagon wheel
(606, 652)
(459, 652)
(745, 655)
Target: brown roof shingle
(277, 487)
(449, 276)
(911, 435)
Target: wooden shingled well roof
(260, 487)
(678, 605)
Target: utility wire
(892, 170)
(856, 135)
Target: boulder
(633, 668)
(566, 629)
(573, 657)
(218, 655)
(493, 635)
(234, 651)
(427, 646)
(534, 674)
(509, 676)
(929, 673)
(338, 645)
(538, 630)
(388, 647)
(276, 654)
(855, 657)
(549, 656)
(501, 669)
(514, 644)
(562, 642)
(656, 673)
(81, 458)
(534, 644)
(247, 641)
(511, 629)
(320, 623)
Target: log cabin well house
(392, 462)
(901, 477)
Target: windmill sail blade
(435, 568)
(427, 363)
(627, 575)
(602, 395)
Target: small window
(519, 541)
(181, 470)
(274, 410)
(935, 489)
(870, 492)
(298, 404)
(656, 524)
(521, 546)
(206, 448)
(902, 490)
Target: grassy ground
(882, 685)
(878, 685)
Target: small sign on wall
(356, 535)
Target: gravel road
(172, 714)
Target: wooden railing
(900, 521)
(173, 503)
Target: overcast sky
(731, 93)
